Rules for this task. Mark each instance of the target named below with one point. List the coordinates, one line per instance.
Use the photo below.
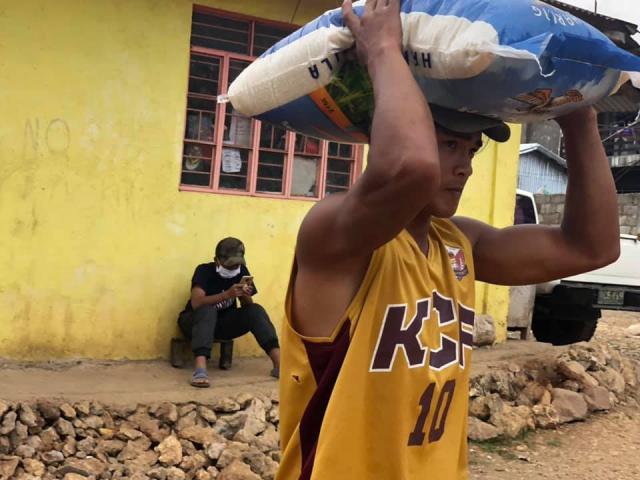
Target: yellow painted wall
(490, 197)
(97, 245)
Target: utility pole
(595, 8)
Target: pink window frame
(252, 167)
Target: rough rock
(484, 330)
(167, 412)
(170, 451)
(70, 447)
(134, 448)
(512, 421)
(4, 408)
(8, 467)
(244, 399)
(34, 467)
(597, 398)
(25, 451)
(142, 462)
(259, 463)
(207, 414)
(570, 405)
(238, 470)
(52, 457)
(545, 416)
(231, 453)
(481, 431)
(226, 405)
(86, 467)
(68, 411)
(28, 416)
(8, 423)
(84, 408)
(49, 411)
(49, 438)
(86, 445)
(214, 450)
(186, 421)
(611, 379)
(575, 371)
(65, 428)
(194, 462)
(174, 473)
(199, 435)
(74, 476)
(268, 440)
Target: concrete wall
(551, 208)
(547, 134)
(97, 245)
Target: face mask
(226, 273)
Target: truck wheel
(560, 330)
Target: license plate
(611, 297)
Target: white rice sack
(518, 60)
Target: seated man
(212, 310)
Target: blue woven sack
(518, 60)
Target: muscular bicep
(355, 223)
(522, 254)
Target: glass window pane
(273, 137)
(196, 164)
(205, 67)
(220, 33)
(204, 75)
(331, 190)
(234, 166)
(206, 127)
(307, 145)
(339, 175)
(266, 36)
(270, 172)
(203, 104)
(333, 149)
(237, 130)
(343, 166)
(346, 150)
(200, 126)
(305, 175)
(525, 211)
(338, 179)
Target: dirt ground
(155, 381)
(605, 447)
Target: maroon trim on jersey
(326, 360)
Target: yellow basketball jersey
(386, 396)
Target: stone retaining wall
(237, 438)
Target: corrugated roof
(536, 147)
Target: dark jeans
(204, 324)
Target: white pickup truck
(567, 311)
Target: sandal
(200, 379)
(275, 372)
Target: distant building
(541, 170)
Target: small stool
(178, 346)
